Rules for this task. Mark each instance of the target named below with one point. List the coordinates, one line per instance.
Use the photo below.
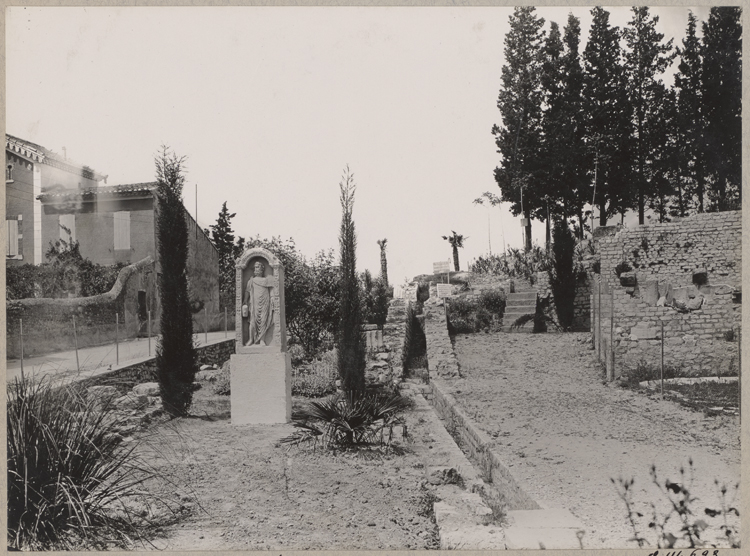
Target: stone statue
(257, 305)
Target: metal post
(739, 372)
(75, 339)
(599, 322)
(612, 334)
(225, 322)
(149, 332)
(117, 338)
(21, 321)
(205, 318)
(662, 360)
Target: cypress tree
(518, 140)
(223, 238)
(722, 105)
(352, 348)
(562, 274)
(176, 358)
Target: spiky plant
(69, 476)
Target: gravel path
(565, 435)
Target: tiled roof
(124, 190)
(38, 153)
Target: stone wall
(394, 329)
(697, 317)
(48, 323)
(441, 360)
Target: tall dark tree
(518, 139)
(646, 58)
(562, 273)
(689, 122)
(563, 159)
(352, 347)
(176, 358)
(722, 105)
(608, 126)
(222, 237)
(383, 262)
(457, 242)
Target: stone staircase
(516, 305)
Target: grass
(69, 476)
(703, 396)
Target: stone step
(552, 528)
(520, 303)
(525, 310)
(531, 295)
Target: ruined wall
(441, 360)
(699, 319)
(48, 323)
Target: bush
(317, 379)
(466, 316)
(493, 301)
(223, 383)
(68, 474)
(514, 263)
(82, 277)
(350, 421)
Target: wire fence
(87, 343)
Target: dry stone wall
(441, 360)
(699, 318)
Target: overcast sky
(270, 104)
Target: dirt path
(255, 495)
(564, 433)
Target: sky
(270, 105)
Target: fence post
(662, 360)
(117, 338)
(75, 339)
(599, 322)
(148, 327)
(205, 318)
(225, 322)
(21, 321)
(739, 371)
(611, 373)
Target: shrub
(514, 263)
(223, 383)
(317, 379)
(68, 474)
(350, 421)
(622, 267)
(493, 301)
(644, 371)
(562, 273)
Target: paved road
(95, 360)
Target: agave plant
(348, 420)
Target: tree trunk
(602, 212)
(527, 245)
(383, 267)
(455, 257)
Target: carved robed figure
(261, 367)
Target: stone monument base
(261, 385)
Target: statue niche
(260, 302)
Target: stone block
(146, 389)
(261, 388)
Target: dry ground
(239, 490)
(565, 434)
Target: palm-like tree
(456, 241)
(383, 262)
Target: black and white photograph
(389, 278)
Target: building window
(11, 245)
(68, 227)
(9, 173)
(122, 230)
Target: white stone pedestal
(261, 388)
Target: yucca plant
(68, 473)
(348, 421)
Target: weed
(624, 266)
(730, 335)
(681, 523)
(316, 379)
